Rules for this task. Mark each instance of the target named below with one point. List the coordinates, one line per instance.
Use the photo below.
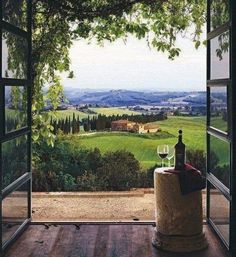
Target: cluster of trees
(66, 125)
(103, 122)
(100, 122)
(69, 167)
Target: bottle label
(179, 161)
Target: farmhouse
(122, 125)
(151, 128)
(126, 125)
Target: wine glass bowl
(162, 151)
(171, 154)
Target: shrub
(69, 167)
(119, 170)
(197, 158)
(90, 182)
(65, 182)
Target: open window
(15, 116)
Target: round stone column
(179, 218)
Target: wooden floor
(99, 241)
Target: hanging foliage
(57, 23)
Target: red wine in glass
(163, 155)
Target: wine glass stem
(169, 162)
(162, 163)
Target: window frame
(5, 137)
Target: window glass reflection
(15, 107)
(14, 159)
(219, 13)
(220, 56)
(218, 110)
(15, 12)
(14, 56)
(14, 211)
(220, 160)
(219, 212)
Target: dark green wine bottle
(180, 153)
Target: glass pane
(219, 13)
(14, 211)
(218, 110)
(220, 159)
(15, 12)
(15, 107)
(220, 57)
(14, 56)
(14, 162)
(219, 212)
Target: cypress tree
(78, 125)
(69, 126)
(73, 124)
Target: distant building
(130, 126)
(151, 128)
(122, 125)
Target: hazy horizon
(137, 90)
(133, 66)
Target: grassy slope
(113, 111)
(144, 147)
(66, 113)
(106, 111)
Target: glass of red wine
(162, 151)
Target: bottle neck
(180, 139)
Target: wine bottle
(180, 153)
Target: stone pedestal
(178, 217)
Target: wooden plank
(100, 241)
(141, 244)
(64, 242)
(119, 241)
(46, 241)
(26, 245)
(84, 241)
(100, 249)
(216, 248)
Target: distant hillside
(132, 98)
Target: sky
(134, 66)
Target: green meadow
(113, 111)
(69, 113)
(144, 147)
(105, 111)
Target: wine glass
(171, 154)
(162, 151)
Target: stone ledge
(86, 194)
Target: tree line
(100, 122)
(67, 125)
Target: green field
(113, 111)
(144, 146)
(66, 113)
(105, 111)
